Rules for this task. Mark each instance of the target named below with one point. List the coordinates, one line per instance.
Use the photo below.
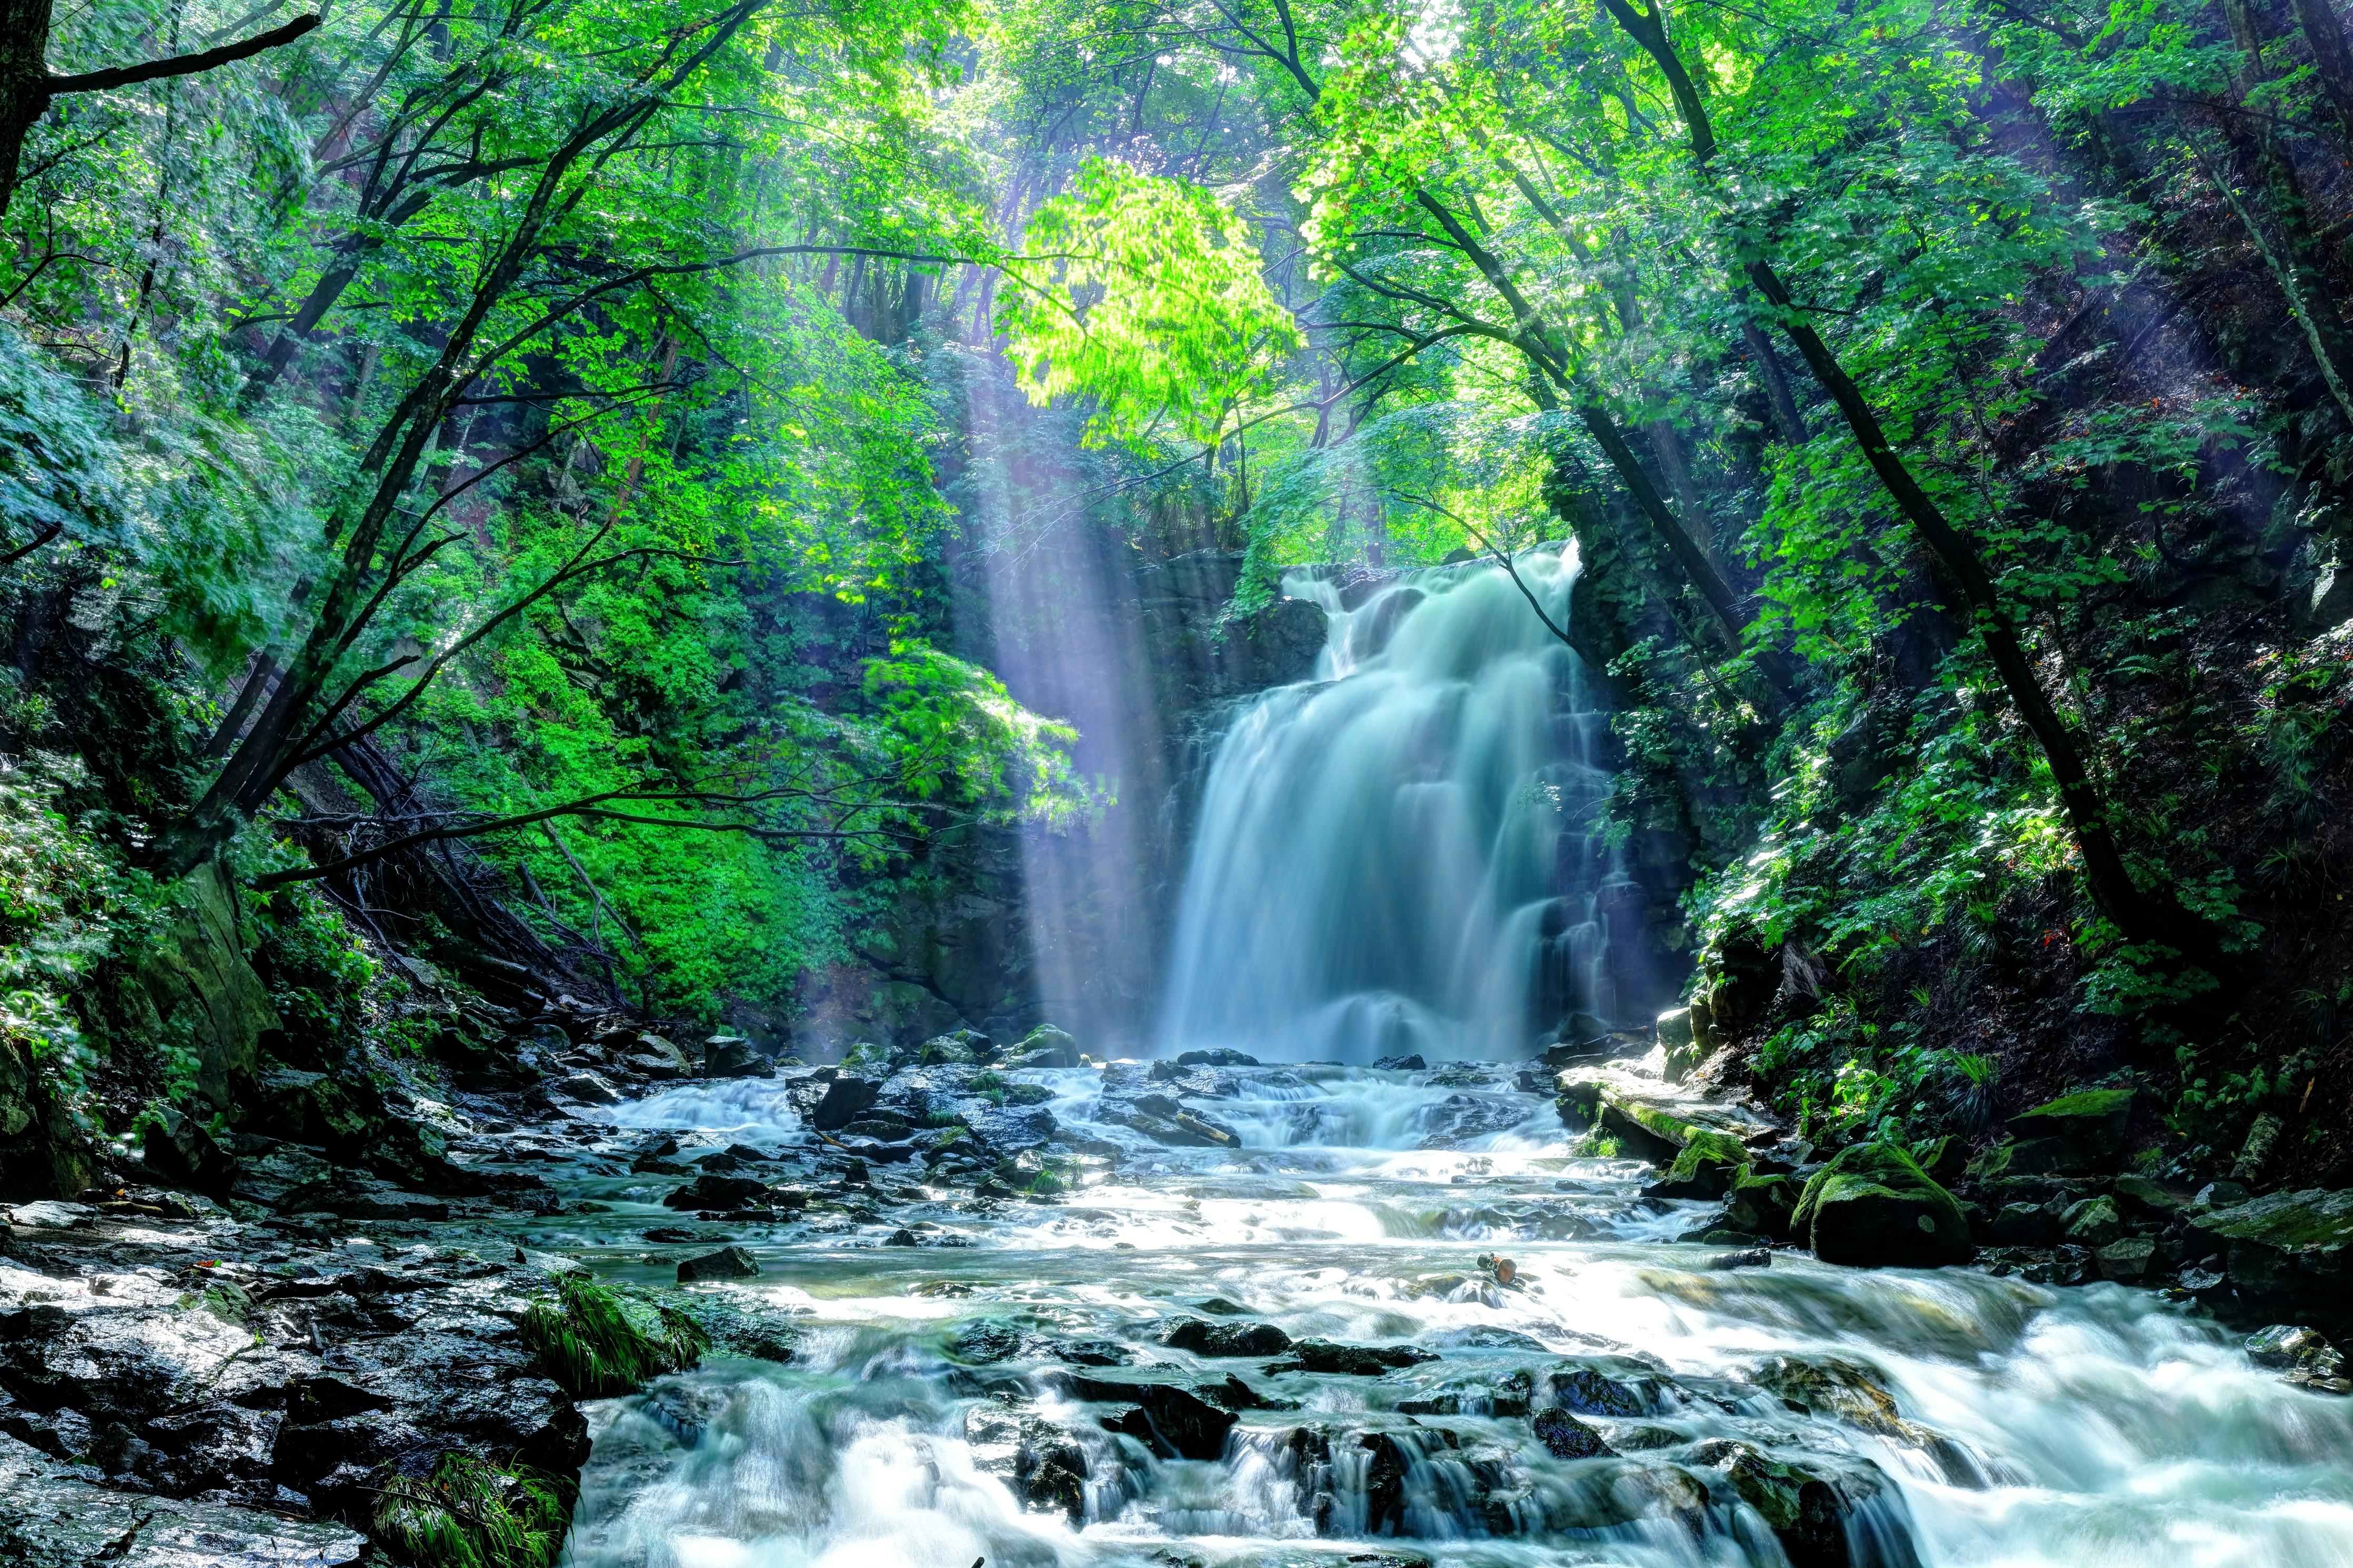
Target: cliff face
(1006, 928)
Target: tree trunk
(2332, 59)
(2110, 884)
(2280, 220)
(23, 82)
(1787, 421)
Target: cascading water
(1014, 1388)
(1402, 855)
(1220, 1314)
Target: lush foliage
(473, 1512)
(597, 1341)
(568, 413)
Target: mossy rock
(1762, 1205)
(1703, 1168)
(1946, 1158)
(1044, 1046)
(2092, 1222)
(2287, 1249)
(2074, 1134)
(596, 1342)
(1874, 1206)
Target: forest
(535, 529)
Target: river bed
(939, 1393)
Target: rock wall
(188, 999)
(1004, 929)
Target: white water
(1402, 854)
(1398, 858)
(2095, 1427)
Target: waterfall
(1403, 855)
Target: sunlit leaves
(1149, 301)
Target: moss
(1707, 1148)
(472, 1513)
(2313, 1220)
(2085, 1107)
(597, 1342)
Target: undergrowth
(597, 1342)
(473, 1513)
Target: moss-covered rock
(471, 1513)
(596, 1342)
(2074, 1134)
(204, 993)
(2092, 1223)
(1874, 1205)
(1705, 1167)
(2287, 1247)
(1762, 1205)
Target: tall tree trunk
(2332, 59)
(1787, 421)
(2278, 218)
(2104, 876)
(23, 82)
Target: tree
(28, 87)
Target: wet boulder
(1507, 1394)
(182, 1153)
(1656, 1125)
(1044, 1046)
(2076, 1134)
(1458, 1117)
(986, 1343)
(1417, 1482)
(588, 1088)
(1705, 1167)
(1565, 1438)
(846, 1099)
(1823, 1519)
(1762, 1203)
(2024, 1225)
(2306, 1359)
(653, 1056)
(1218, 1058)
(1045, 1466)
(2150, 1198)
(731, 1055)
(721, 1192)
(1872, 1205)
(1174, 1421)
(727, 1263)
(1607, 1389)
(54, 1519)
(1236, 1395)
(2128, 1259)
(2285, 1248)
(1011, 1128)
(2091, 1222)
(1351, 1361)
(1208, 1339)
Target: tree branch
(180, 65)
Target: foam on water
(2042, 1428)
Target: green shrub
(597, 1342)
(473, 1513)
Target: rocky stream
(961, 1304)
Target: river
(1404, 854)
(2030, 1425)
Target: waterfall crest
(1403, 854)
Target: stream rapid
(1957, 1417)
